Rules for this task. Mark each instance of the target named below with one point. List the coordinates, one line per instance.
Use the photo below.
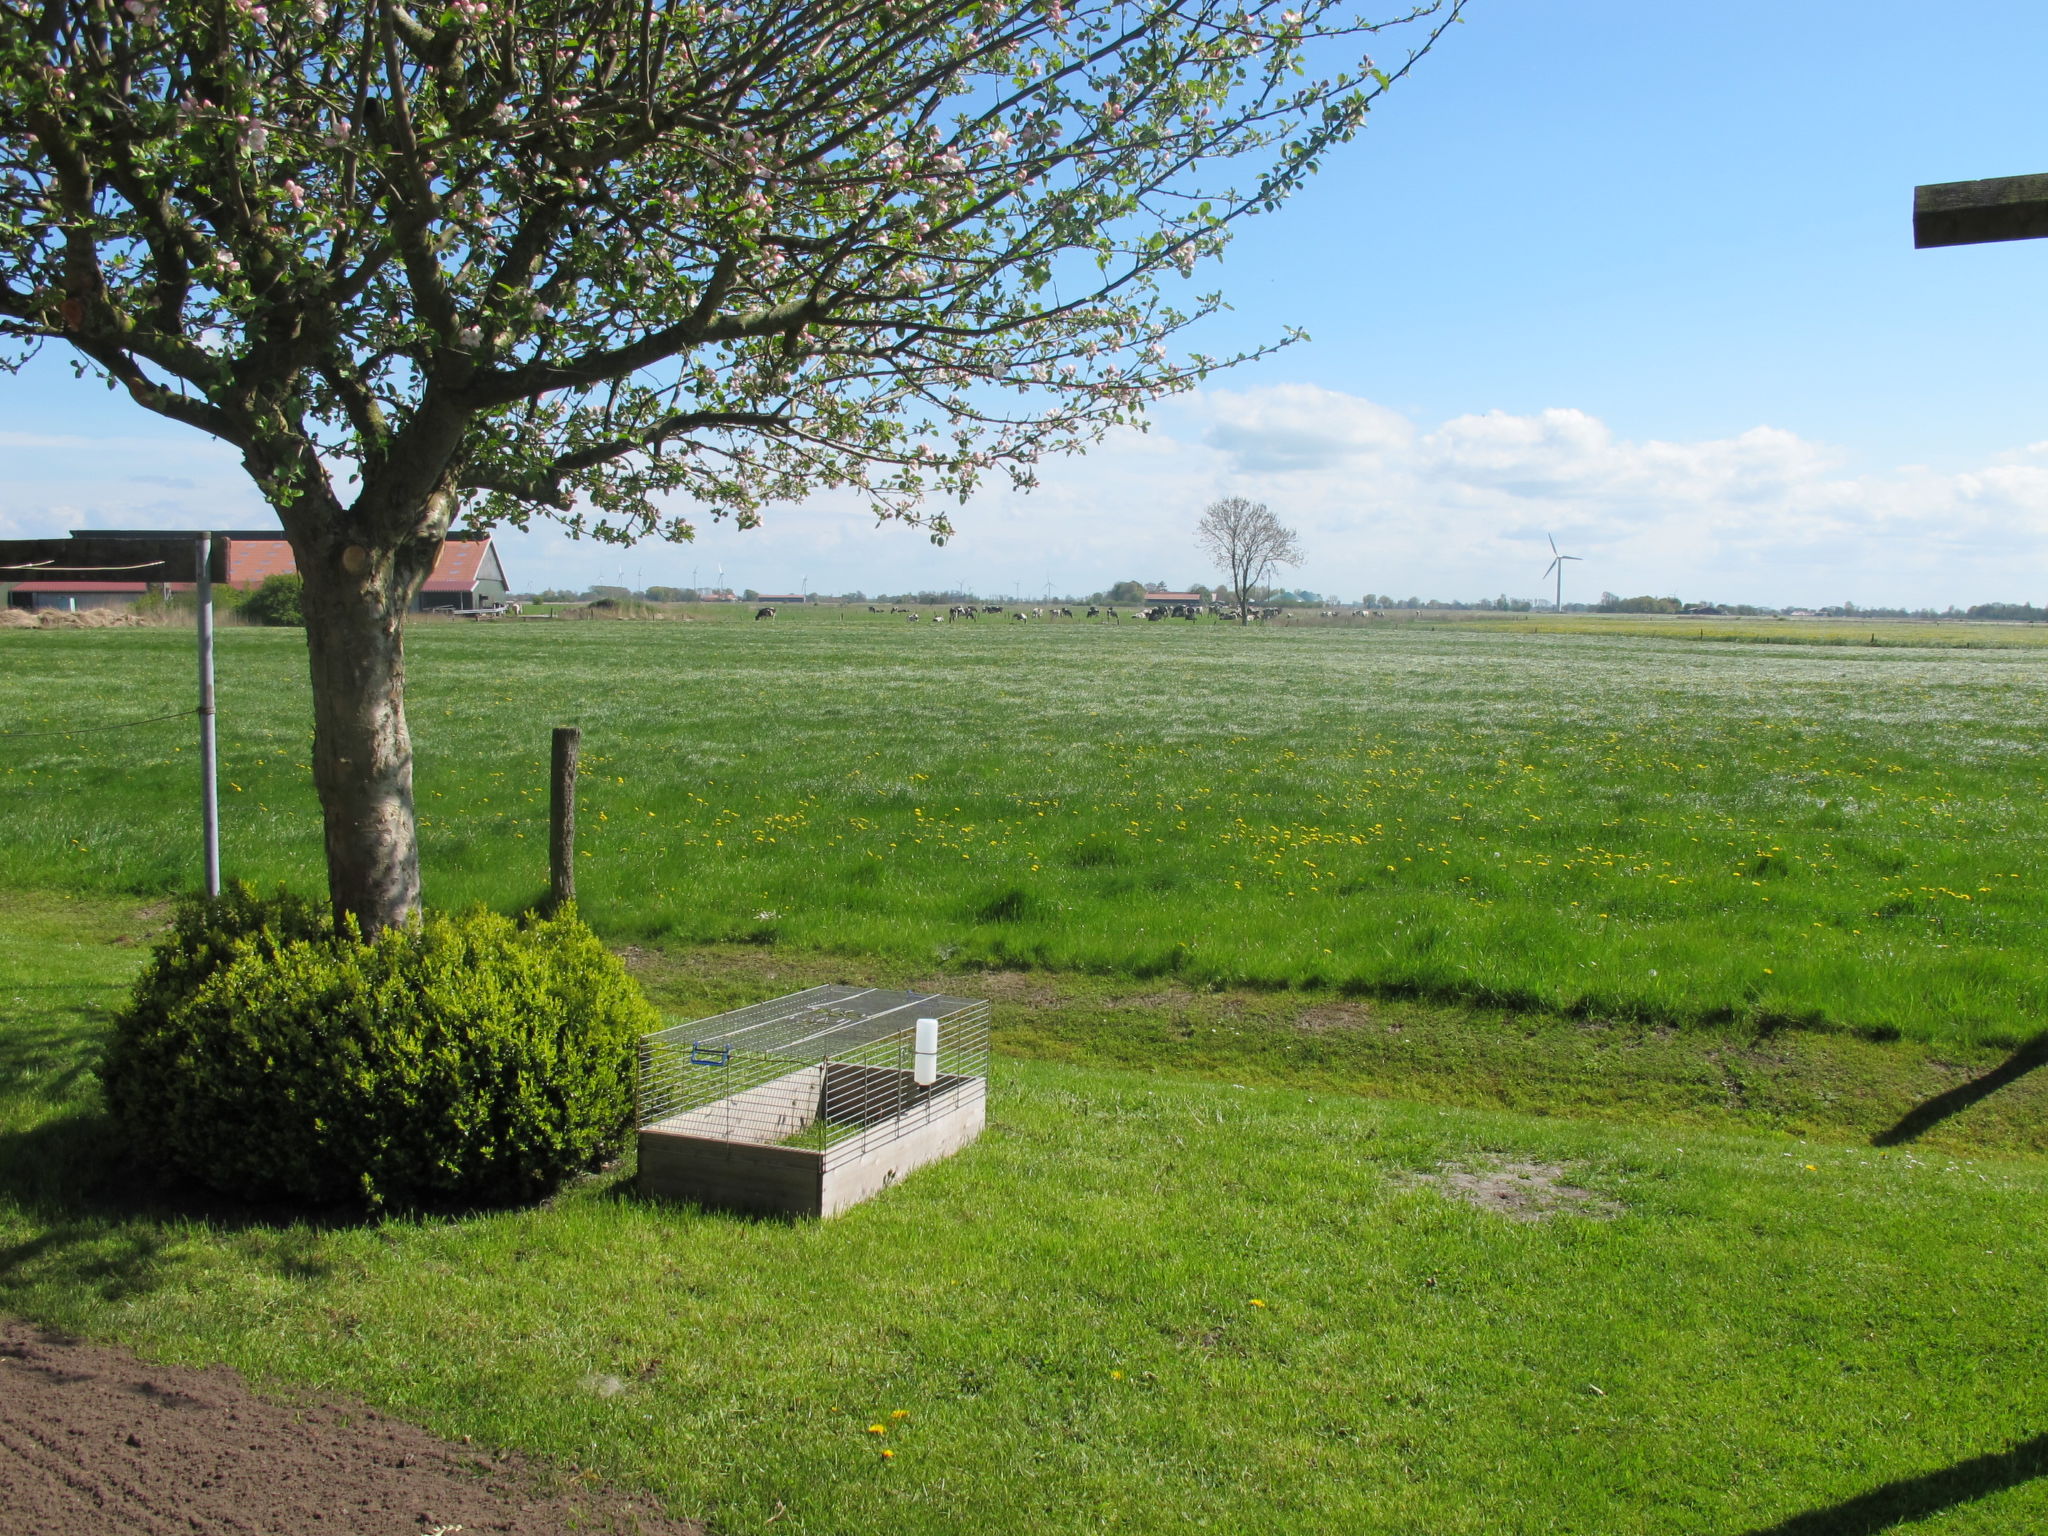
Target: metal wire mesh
(831, 1069)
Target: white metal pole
(209, 766)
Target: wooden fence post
(562, 817)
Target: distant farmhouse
(467, 576)
(1175, 597)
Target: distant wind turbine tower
(1557, 564)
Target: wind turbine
(1557, 564)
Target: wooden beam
(1979, 212)
(172, 557)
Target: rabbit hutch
(807, 1104)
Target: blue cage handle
(702, 1055)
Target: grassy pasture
(1557, 821)
(1614, 826)
(1918, 634)
(1143, 1302)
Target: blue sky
(1635, 274)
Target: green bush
(281, 600)
(460, 1061)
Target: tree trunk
(355, 601)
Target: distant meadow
(1632, 826)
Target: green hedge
(281, 600)
(462, 1060)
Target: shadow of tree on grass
(1922, 1118)
(1915, 1498)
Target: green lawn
(1592, 824)
(1144, 1301)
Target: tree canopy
(581, 254)
(630, 262)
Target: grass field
(1606, 824)
(1145, 1301)
(1918, 634)
(1282, 928)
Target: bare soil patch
(1521, 1191)
(93, 1439)
(1327, 1018)
(1171, 999)
(1025, 988)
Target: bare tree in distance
(1248, 543)
(629, 262)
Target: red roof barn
(467, 574)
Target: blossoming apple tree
(626, 262)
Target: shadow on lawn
(105, 1222)
(1922, 1118)
(1915, 1498)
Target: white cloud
(1293, 427)
(1458, 508)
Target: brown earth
(1520, 1191)
(93, 1440)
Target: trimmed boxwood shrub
(459, 1061)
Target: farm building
(782, 597)
(1175, 597)
(467, 575)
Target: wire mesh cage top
(837, 1069)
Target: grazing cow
(1018, 617)
(764, 613)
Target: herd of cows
(974, 611)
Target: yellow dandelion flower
(878, 1429)
(900, 1413)
(1256, 1302)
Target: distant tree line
(1133, 593)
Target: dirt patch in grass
(93, 1439)
(1173, 998)
(1027, 989)
(1329, 1018)
(1520, 1191)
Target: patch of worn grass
(1143, 1300)
(1599, 826)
